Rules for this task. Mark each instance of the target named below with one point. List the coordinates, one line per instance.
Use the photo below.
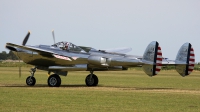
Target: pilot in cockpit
(66, 47)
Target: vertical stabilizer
(152, 59)
(185, 60)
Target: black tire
(54, 80)
(93, 81)
(30, 81)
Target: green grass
(117, 91)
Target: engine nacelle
(98, 60)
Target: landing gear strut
(91, 79)
(55, 80)
(30, 80)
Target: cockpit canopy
(68, 46)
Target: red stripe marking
(159, 53)
(191, 54)
(159, 59)
(190, 69)
(191, 59)
(191, 64)
(158, 64)
(158, 70)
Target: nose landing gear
(30, 80)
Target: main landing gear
(55, 80)
(91, 79)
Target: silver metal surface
(66, 56)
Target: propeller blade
(19, 68)
(20, 72)
(26, 38)
(53, 36)
(19, 65)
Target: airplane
(62, 57)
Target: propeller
(26, 38)
(53, 36)
(20, 70)
(23, 43)
(19, 66)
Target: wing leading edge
(41, 51)
(118, 50)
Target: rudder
(152, 59)
(185, 60)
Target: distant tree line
(6, 56)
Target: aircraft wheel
(54, 80)
(91, 81)
(30, 81)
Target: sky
(103, 24)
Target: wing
(86, 49)
(118, 50)
(41, 51)
(31, 48)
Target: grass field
(117, 91)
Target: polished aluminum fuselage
(92, 58)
